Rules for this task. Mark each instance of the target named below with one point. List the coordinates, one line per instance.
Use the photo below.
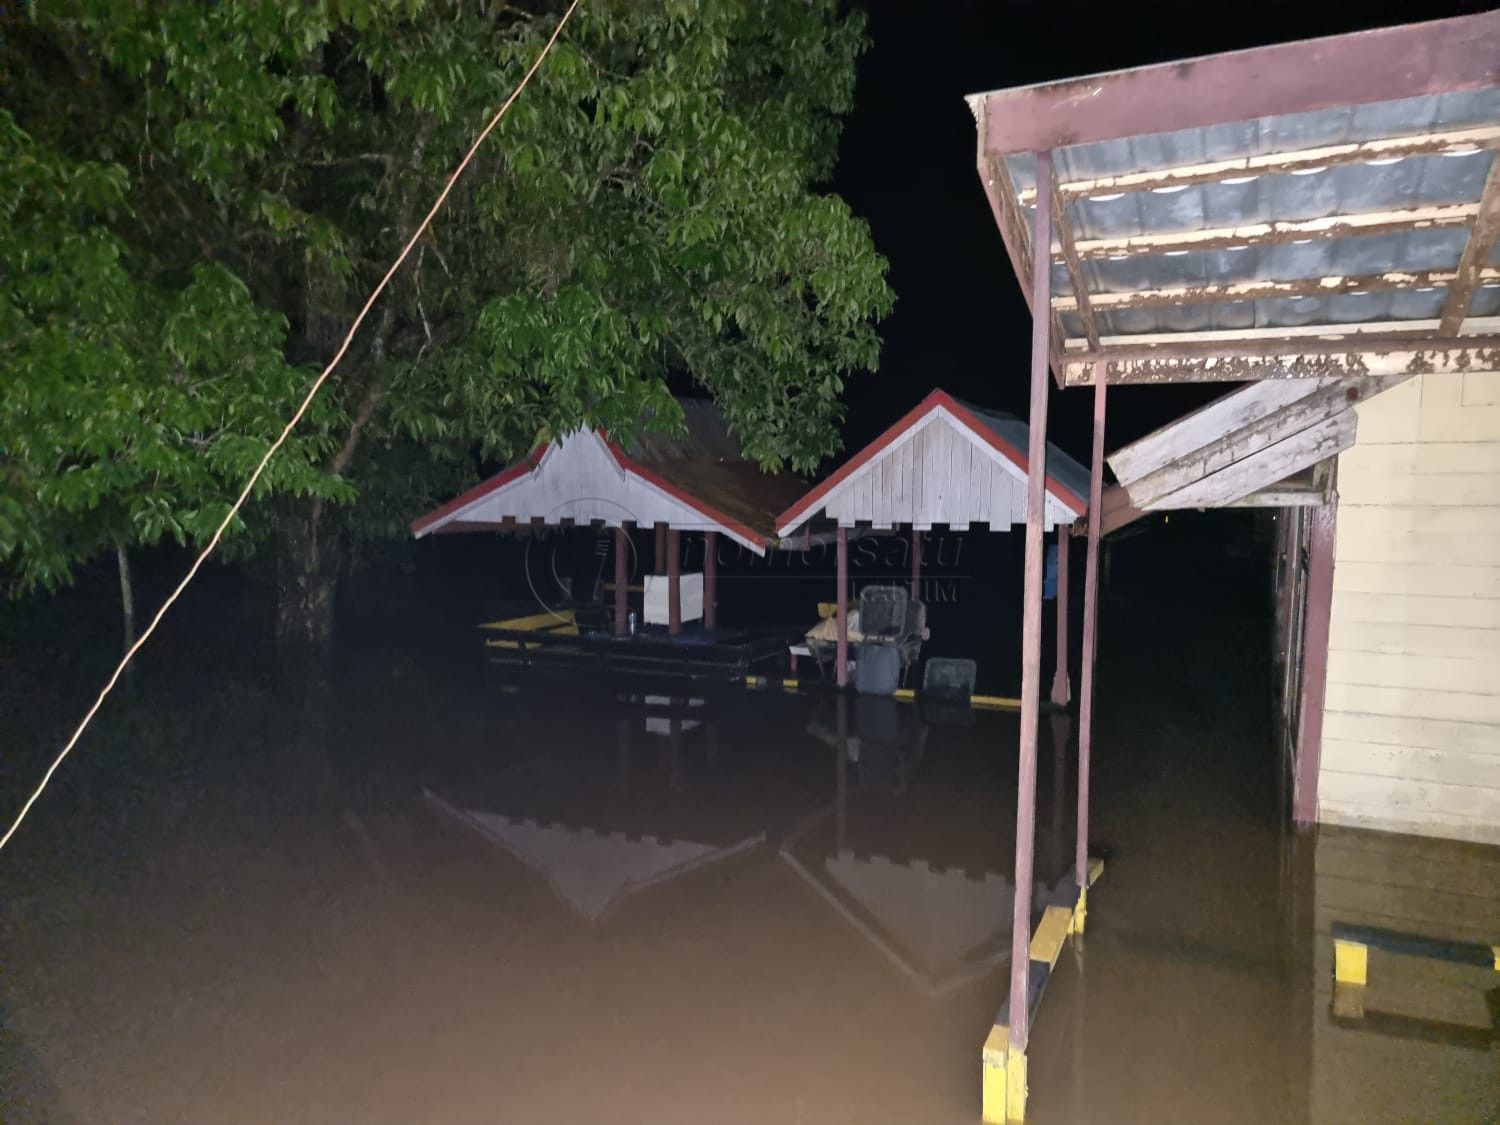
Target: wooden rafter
(1292, 454)
(1385, 64)
(1216, 443)
(1267, 290)
(1002, 207)
(1283, 496)
(1279, 163)
(1228, 361)
(1347, 335)
(1014, 220)
(1476, 253)
(1075, 270)
(1260, 234)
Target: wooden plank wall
(1411, 732)
(937, 474)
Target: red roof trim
(734, 527)
(799, 511)
(423, 524)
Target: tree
(131, 410)
(647, 217)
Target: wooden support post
(916, 564)
(659, 555)
(841, 772)
(1090, 640)
(622, 579)
(674, 582)
(1062, 690)
(1062, 734)
(1314, 662)
(1031, 627)
(710, 579)
(842, 612)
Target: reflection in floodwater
(665, 909)
(599, 835)
(942, 926)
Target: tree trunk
(307, 573)
(127, 614)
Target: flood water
(551, 899)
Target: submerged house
(949, 463)
(1317, 220)
(698, 483)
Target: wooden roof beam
(1081, 303)
(1386, 64)
(1235, 410)
(1015, 231)
(1218, 451)
(1343, 334)
(1275, 462)
(1260, 234)
(1283, 496)
(1230, 362)
(1476, 253)
(1383, 150)
(1270, 290)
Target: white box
(657, 605)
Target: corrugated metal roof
(707, 436)
(1017, 433)
(1404, 184)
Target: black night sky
(907, 166)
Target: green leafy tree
(211, 190)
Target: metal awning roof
(1324, 208)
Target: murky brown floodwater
(605, 913)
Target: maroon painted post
(710, 579)
(622, 545)
(1062, 691)
(916, 564)
(674, 582)
(841, 772)
(1090, 630)
(842, 612)
(658, 557)
(1314, 661)
(1062, 733)
(1031, 618)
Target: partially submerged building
(1317, 220)
(697, 483)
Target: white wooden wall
(937, 474)
(578, 478)
(1411, 731)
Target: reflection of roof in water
(939, 927)
(592, 872)
(947, 922)
(591, 786)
